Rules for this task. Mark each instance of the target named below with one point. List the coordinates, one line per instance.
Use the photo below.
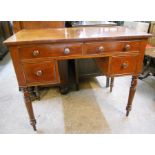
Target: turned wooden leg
(107, 81)
(29, 107)
(111, 84)
(131, 94)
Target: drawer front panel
(123, 64)
(42, 72)
(42, 51)
(119, 46)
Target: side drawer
(47, 50)
(113, 46)
(41, 72)
(121, 65)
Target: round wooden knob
(101, 48)
(124, 65)
(127, 47)
(35, 53)
(39, 73)
(66, 51)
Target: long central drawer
(48, 50)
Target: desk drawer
(43, 72)
(123, 64)
(42, 51)
(119, 46)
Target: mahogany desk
(35, 55)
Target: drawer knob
(35, 53)
(127, 47)
(39, 73)
(101, 48)
(124, 65)
(66, 51)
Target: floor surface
(92, 109)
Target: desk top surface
(73, 34)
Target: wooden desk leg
(111, 84)
(131, 94)
(107, 82)
(29, 107)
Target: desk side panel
(17, 66)
(141, 56)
